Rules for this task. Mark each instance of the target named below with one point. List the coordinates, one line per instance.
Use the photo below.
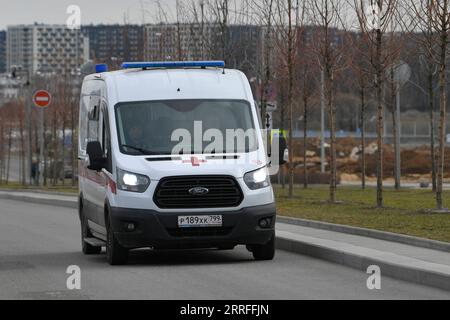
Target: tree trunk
(290, 100)
(22, 145)
(443, 102)
(2, 151)
(22, 150)
(282, 126)
(432, 137)
(72, 136)
(9, 153)
(55, 149)
(63, 148)
(331, 119)
(305, 139)
(363, 140)
(394, 89)
(378, 84)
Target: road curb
(38, 191)
(402, 268)
(39, 200)
(381, 235)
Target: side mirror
(95, 153)
(282, 151)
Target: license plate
(200, 221)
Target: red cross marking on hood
(195, 161)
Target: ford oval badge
(198, 191)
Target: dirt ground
(415, 161)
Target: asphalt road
(39, 242)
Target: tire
(264, 251)
(115, 253)
(86, 248)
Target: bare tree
(327, 16)
(361, 67)
(305, 72)
(265, 11)
(2, 144)
(287, 25)
(433, 20)
(374, 19)
(21, 120)
(220, 10)
(8, 122)
(394, 47)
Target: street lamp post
(402, 73)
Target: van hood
(158, 167)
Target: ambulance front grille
(173, 192)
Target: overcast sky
(14, 12)
(92, 11)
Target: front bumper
(160, 229)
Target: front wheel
(264, 251)
(115, 253)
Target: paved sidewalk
(424, 254)
(407, 262)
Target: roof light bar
(101, 67)
(173, 64)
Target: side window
(89, 112)
(93, 117)
(106, 138)
(83, 130)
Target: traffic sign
(42, 98)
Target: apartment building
(175, 42)
(46, 49)
(9, 88)
(192, 41)
(2, 52)
(114, 44)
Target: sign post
(41, 99)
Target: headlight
(257, 179)
(129, 181)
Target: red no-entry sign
(42, 98)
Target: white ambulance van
(148, 176)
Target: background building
(46, 48)
(238, 44)
(245, 47)
(9, 88)
(2, 51)
(113, 44)
(175, 42)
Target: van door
(94, 181)
(105, 141)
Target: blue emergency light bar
(101, 67)
(173, 64)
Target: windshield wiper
(141, 150)
(145, 151)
